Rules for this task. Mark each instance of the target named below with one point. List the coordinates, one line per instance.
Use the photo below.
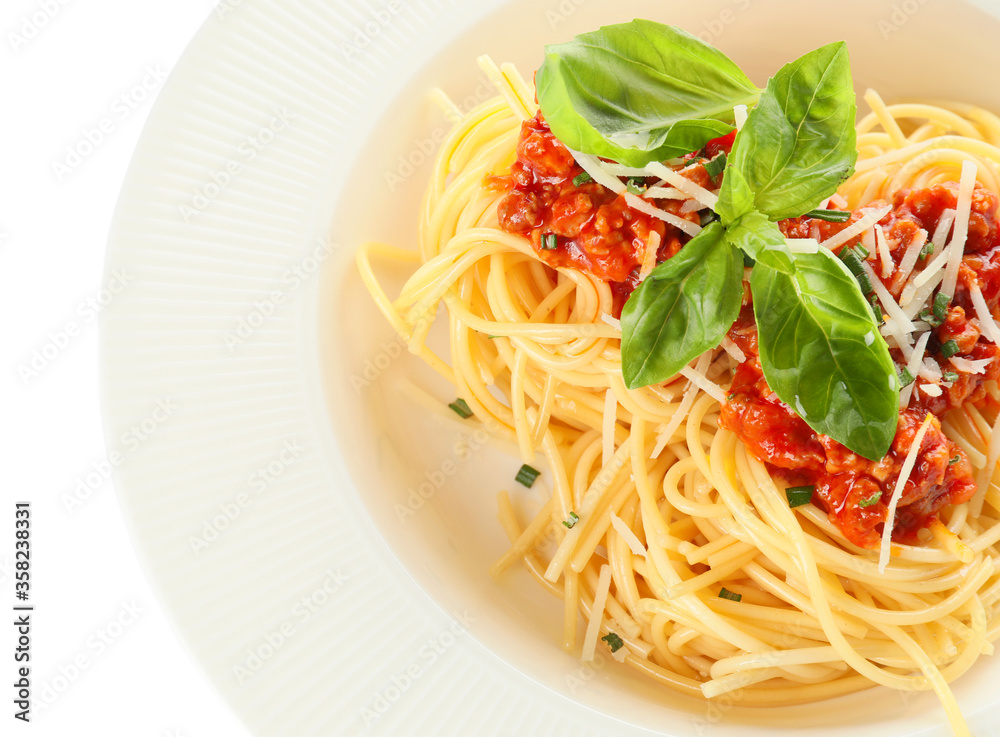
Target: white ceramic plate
(320, 539)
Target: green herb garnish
(727, 594)
(715, 166)
(926, 251)
(550, 241)
(799, 495)
(614, 642)
(581, 179)
(905, 377)
(954, 459)
(526, 475)
(640, 92)
(949, 348)
(461, 409)
(571, 522)
(635, 185)
(949, 376)
(871, 500)
(830, 216)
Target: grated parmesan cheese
(913, 363)
(732, 349)
(956, 248)
(596, 613)
(595, 168)
(970, 365)
(692, 189)
(703, 382)
(910, 257)
(987, 325)
(897, 493)
(637, 203)
(882, 246)
(625, 531)
(870, 217)
(740, 116)
(665, 193)
(931, 390)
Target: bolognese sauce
(575, 222)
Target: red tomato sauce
(596, 231)
(854, 490)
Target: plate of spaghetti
(611, 374)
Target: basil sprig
(641, 92)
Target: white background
(104, 655)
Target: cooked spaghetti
(670, 527)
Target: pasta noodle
(672, 508)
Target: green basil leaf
(735, 195)
(822, 354)
(798, 143)
(639, 92)
(683, 308)
(761, 240)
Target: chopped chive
(927, 250)
(526, 475)
(949, 376)
(941, 306)
(636, 185)
(949, 348)
(831, 216)
(860, 250)
(461, 409)
(869, 501)
(853, 262)
(614, 642)
(731, 397)
(877, 309)
(727, 594)
(799, 495)
(714, 167)
(954, 459)
(571, 522)
(494, 337)
(549, 241)
(905, 378)
(928, 317)
(580, 179)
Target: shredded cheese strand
(897, 493)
